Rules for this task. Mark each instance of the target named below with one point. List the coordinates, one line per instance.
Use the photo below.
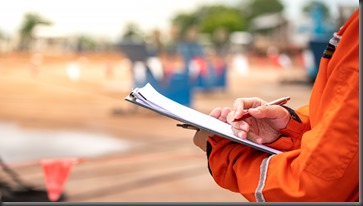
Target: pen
(187, 126)
(280, 101)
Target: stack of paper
(149, 98)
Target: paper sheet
(152, 99)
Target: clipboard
(148, 98)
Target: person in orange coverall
(320, 141)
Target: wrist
(287, 138)
(293, 123)
(291, 115)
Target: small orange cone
(56, 173)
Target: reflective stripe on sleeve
(261, 184)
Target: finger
(216, 112)
(270, 112)
(254, 138)
(238, 106)
(241, 125)
(224, 113)
(242, 104)
(244, 126)
(239, 133)
(230, 117)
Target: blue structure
(215, 77)
(179, 89)
(210, 77)
(180, 85)
(322, 32)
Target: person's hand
(200, 138)
(263, 125)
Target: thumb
(273, 111)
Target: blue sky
(107, 17)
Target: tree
(2, 35)
(211, 18)
(132, 33)
(214, 17)
(85, 43)
(253, 8)
(184, 21)
(30, 22)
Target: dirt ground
(162, 165)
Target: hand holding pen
(280, 101)
(263, 129)
(268, 119)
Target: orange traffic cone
(56, 173)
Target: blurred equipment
(149, 69)
(16, 190)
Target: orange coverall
(320, 162)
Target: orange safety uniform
(320, 162)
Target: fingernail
(230, 118)
(259, 141)
(240, 135)
(236, 114)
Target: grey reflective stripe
(335, 40)
(261, 184)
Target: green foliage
(185, 21)
(209, 19)
(131, 29)
(2, 35)
(215, 17)
(30, 22)
(86, 43)
(254, 8)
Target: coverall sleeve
(290, 136)
(324, 165)
(325, 168)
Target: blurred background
(66, 67)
